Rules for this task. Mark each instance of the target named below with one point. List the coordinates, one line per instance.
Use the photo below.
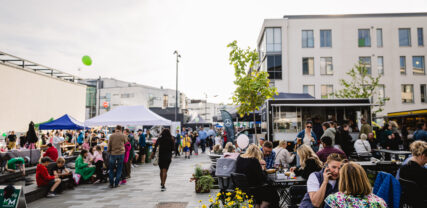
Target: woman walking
(165, 146)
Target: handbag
(156, 157)
(77, 178)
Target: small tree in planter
(203, 180)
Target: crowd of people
(322, 158)
(319, 154)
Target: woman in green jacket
(82, 168)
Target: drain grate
(172, 205)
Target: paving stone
(142, 190)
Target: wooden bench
(8, 177)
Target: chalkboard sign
(12, 202)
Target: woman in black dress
(164, 145)
(249, 164)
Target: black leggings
(98, 170)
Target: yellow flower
(228, 194)
(244, 207)
(250, 205)
(210, 200)
(200, 201)
(219, 194)
(228, 199)
(250, 201)
(203, 206)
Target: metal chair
(412, 194)
(296, 194)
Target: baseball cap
(262, 139)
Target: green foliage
(204, 183)
(361, 85)
(198, 172)
(253, 86)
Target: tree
(253, 86)
(361, 85)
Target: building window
(380, 65)
(364, 38)
(404, 37)
(273, 39)
(127, 95)
(307, 39)
(423, 93)
(309, 89)
(165, 101)
(326, 91)
(308, 66)
(325, 38)
(420, 36)
(407, 93)
(274, 66)
(326, 67)
(403, 65)
(379, 38)
(381, 91)
(366, 62)
(418, 65)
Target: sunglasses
(309, 127)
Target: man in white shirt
(321, 184)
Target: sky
(134, 40)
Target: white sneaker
(50, 195)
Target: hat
(262, 139)
(46, 159)
(139, 129)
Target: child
(61, 172)
(86, 145)
(125, 173)
(43, 177)
(14, 164)
(186, 143)
(99, 163)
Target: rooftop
(312, 16)
(21, 63)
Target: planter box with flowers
(203, 180)
(237, 199)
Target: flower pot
(199, 190)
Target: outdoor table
(282, 187)
(393, 153)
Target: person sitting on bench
(51, 152)
(14, 164)
(44, 179)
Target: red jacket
(51, 152)
(42, 175)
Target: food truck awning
(322, 104)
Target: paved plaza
(142, 190)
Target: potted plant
(236, 199)
(203, 180)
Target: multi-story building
(113, 93)
(311, 53)
(202, 108)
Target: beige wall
(28, 96)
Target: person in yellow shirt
(186, 144)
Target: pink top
(86, 146)
(98, 156)
(127, 151)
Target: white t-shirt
(217, 140)
(313, 184)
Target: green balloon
(4, 134)
(87, 60)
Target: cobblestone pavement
(142, 190)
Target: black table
(282, 187)
(392, 153)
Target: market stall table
(282, 186)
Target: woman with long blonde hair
(354, 189)
(309, 162)
(249, 165)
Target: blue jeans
(116, 162)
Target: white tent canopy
(128, 115)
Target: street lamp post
(176, 93)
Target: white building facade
(115, 93)
(311, 53)
(33, 92)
